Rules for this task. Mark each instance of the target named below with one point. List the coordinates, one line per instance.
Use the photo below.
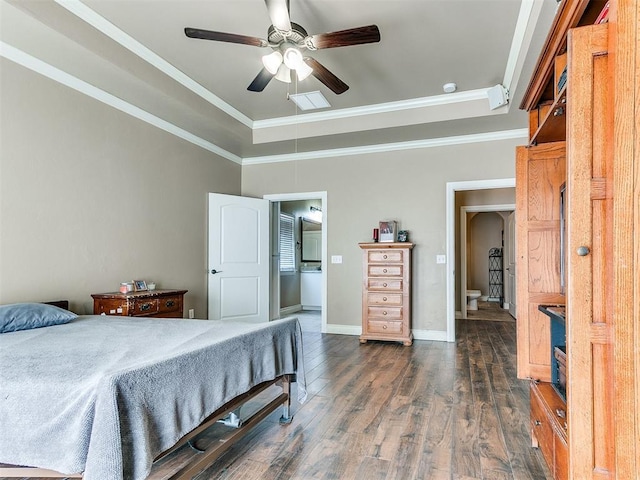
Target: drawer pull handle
(384, 284)
(384, 299)
(145, 306)
(384, 270)
(560, 413)
(384, 313)
(538, 423)
(171, 303)
(384, 327)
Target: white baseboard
(458, 314)
(344, 329)
(437, 335)
(289, 310)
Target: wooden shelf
(553, 125)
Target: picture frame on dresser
(140, 285)
(388, 231)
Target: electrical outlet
(192, 313)
(336, 258)
(441, 259)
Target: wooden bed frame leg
(286, 417)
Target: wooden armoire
(582, 166)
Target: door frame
(322, 196)
(451, 189)
(464, 211)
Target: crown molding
(527, 17)
(21, 58)
(375, 109)
(103, 25)
(521, 133)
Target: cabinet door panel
(544, 260)
(540, 171)
(590, 287)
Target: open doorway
(485, 248)
(300, 289)
(452, 241)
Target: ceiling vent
(310, 100)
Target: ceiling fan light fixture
(303, 71)
(272, 62)
(293, 58)
(284, 74)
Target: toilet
(472, 299)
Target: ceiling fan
(289, 41)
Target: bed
(106, 396)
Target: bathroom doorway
(453, 239)
(483, 228)
(301, 289)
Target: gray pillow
(24, 316)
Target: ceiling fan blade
(279, 14)
(224, 37)
(344, 38)
(336, 85)
(261, 81)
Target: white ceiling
(133, 54)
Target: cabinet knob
(538, 423)
(384, 284)
(384, 270)
(583, 251)
(384, 327)
(170, 303)
(384, 313)
(384, 256)
(384, 299)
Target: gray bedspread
(106, 395)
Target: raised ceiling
(133, 54)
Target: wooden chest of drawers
(386, 292)
(153, 303)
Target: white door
(239, 259)
(511, 262)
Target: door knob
(214, 271)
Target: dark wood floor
(432, 411)
(383, 411)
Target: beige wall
(484, 231)
(408, 186)
(90, 197)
